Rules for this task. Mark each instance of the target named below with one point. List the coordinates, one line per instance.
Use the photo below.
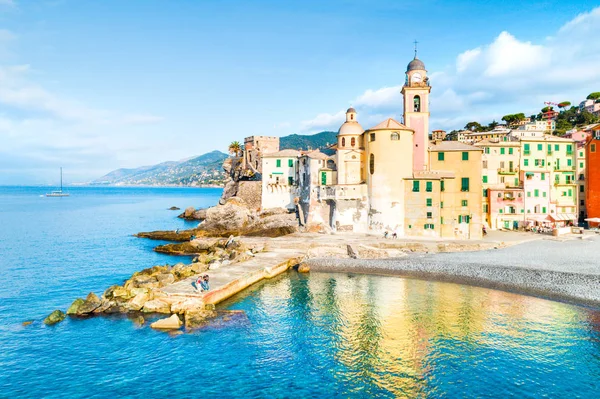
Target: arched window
(351, 117)
(417, 103)
(343, 141)
(353, 142)
(395, 136)
(372, 163)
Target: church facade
(389, 177)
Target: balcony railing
(508, 171)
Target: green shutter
(324, 178)
(416, 187)
(510, 151)
(485, 179)
(464, 184)
(502, 150)
(290, 163)
(442, 185)
(440, 156)
(540, 147)
(465, 156)
(429, 186)
(526, 162)
(278, 163)
(429, 202)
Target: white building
(280, 179)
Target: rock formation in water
(55, 317)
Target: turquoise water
(317, 335)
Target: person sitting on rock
(204, 283)
(199, 284)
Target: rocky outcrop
(198, 246)
(170, 323)
(55, 317)
(196, 318)
(192, 213)
(168, 235)
(156, 306)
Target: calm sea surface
(316, 335)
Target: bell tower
(416, 109)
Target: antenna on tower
(416, 42)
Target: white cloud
(324, 121)
(508, 75)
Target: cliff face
(241, 183)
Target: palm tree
(235, 148)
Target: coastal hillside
(316, 141)
(203, 169)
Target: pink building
(507, 208)
(536, 194)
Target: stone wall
(251, 192)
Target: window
(429, 186)
(569, 149)
(525, 162)
(372, 163)
(395, 136)
(463, 203)
(290, 181)
(416, 186)
(372, 136)
(487, 150)
(510, 151)
(441, 220)
(580, 189)
(485, 192)
(485, 179)
(440, 156)
(429, 215)
(543, 209)
(291, 163)
(442, 204)
(499, 211)
(516, 181)
(581, 165)
(429, 226)
(526, 151)
(536, 193)
(353, 141)
(465, 156)
(442, 185)
(502, 150)
(540, 147)
(529, 193)
(464, 184)
(543, 176)
(592, 147)
(556, 147)
(569, 163)
(544, 194)
(499, 195)
(582, 202)
(485, 208)
(485, 164)
(570, 192)
(278, 163)
(417, 104)
(429, 202)
(343, 141)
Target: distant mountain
(204, 169)
(318, 141)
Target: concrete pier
(230, 279)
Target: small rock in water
(303, 268)
(55, 317)
(139, 320)
(27, 323)
(74, 308)
(91, 303)
(174, 208)
(170, 323)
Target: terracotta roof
(453, 146)
(390, 124)
(282, 154)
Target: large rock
(186, 305)
(55, 317)
(74, 308)
(170, 323)
(229, 191)
(168, 235)
(156, 306)
(196, 318)
(92, 302)
(165, 279)
(138, 301)
(224, 220)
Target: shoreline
(573, 288)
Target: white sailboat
(58, 193)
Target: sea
(315, 335)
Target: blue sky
(98, 85)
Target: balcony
(343, 192)
(508, 171)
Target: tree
(509, 119)
(564, 104)
(235, 148)
(594, 96)
(546, 109)
(473, 126)
(492, 125)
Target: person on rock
(199, 283)
(204, 283)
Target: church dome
(415, 64)
(351, 128)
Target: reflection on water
(405, 337)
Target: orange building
(592, 194)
